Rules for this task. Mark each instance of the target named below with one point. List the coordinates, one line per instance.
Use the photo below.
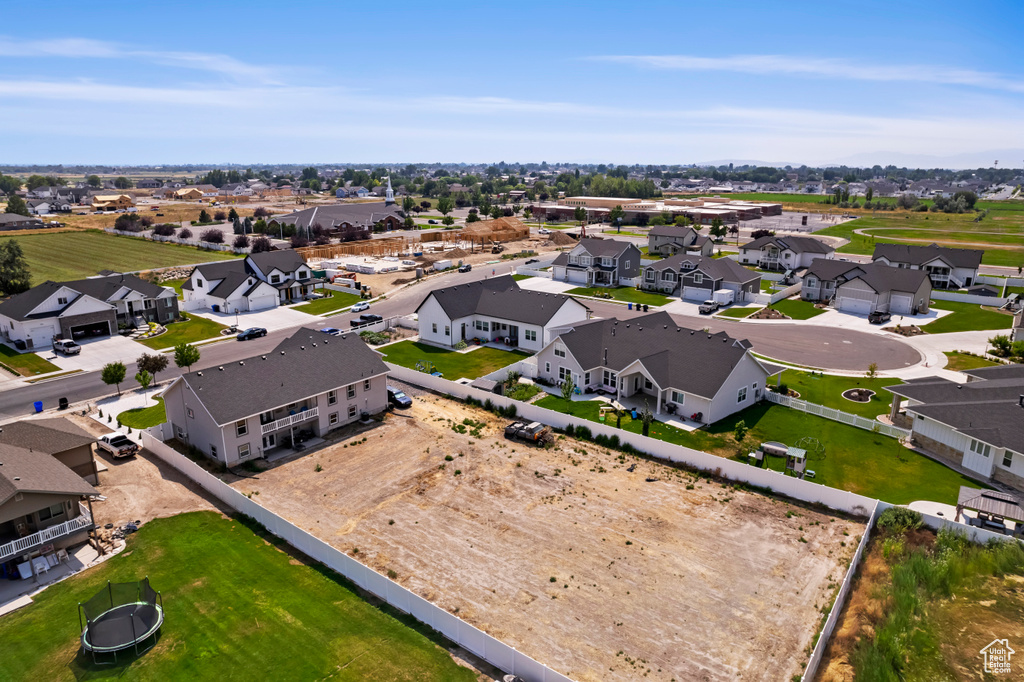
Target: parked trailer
(533, 432)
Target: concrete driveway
(96, 353)
(271, 320)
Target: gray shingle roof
(45, 435)
(919, 255)
(605, 248)
(725, 269)
(286, 260)
(676, 357)
(306, 364)
(19, 306)
(879, 277)
(499, 297)
(674, 231)
(25, 471)
(794, 244)
(330, 216)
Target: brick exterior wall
(1008, 478)
(78, 320)
(904, 422)
(940, 450)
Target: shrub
(204, 217)
(260, 245)
(261, 212)
(128, 222)
(241, 241)
(511, 411)
(185, 233)
(899, 520)
(488, 405)
(212, 236)
(298, 241)
(613, 443)
(782, 389)
(164, 230)
(461, 345)
(569, 430)
(583, 433)
(220, 215)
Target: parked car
(67, 347)
(465, 268)
(432, 222)
(398, 398)
(360, 307)
(333, 331)
(543, 230)
(118, 445)
(368, 318)
(532, 261)
(878, 317)
(159, 215)
(707, 307)
(252, 333)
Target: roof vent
(221, 368)
(666, 326)
(263, 357)
(282, 352)
(1020, 401)
(241, 362)
(691, 332)
(199, 374)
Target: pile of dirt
(455, 253)
(561, 239)
(911, 330)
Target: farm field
(235, 579)
(66, 256)
(547, 549)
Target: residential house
(812, 187)
(924, 189)
(148, 183)
(784, 253)
(236, 189)
(16, 221)
(864, 288)
(948, 268)
(652, 358)
(696, 277)
(188, 194)
(352, 221)
(976, 424)
(57, 437)
(84, 308)
(309, 385)
(495, 309)
(39, 206)
(259, 282)
(112, 202)
(43, 503)
(598, 262)
(356, 192)
(668, 240)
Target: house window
(433, 327)
(350, 391)
(275, 279)
(741, 395)
(303, 274)
(447, 330)
(199, 284)
(559, 352)
(213, 450)
(586, 379)
(698, 278)
(191, 414)
(366, 384)
(351, 411)
(980, 448)
(1007, 459)
(649, 275)
(62, 300)
(647, 383)
(609, 378)
(332, 397)
(678, 398)
(243, 451)
(811, 282)
(564, 374)
(241, 428)
(333, 418)
(626, 265)
(482, 325)
(668, 276)
(530, 334)
(168, 302)
(547, 368)
(51, 511)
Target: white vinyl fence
(764, 298)
(533, 271)
(476, 641)
(187, 242)
(837, 415)
(941, 295)
(998, 282)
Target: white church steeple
(389, 195)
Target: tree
(185, 233)
(144, 378)
(407, 204)
(1001, 345)
(496, 212)
(448, 220)
(241, 241)
(579, 214)
(220, 216)
(445, 205)
(204, 217)
(646, 418)
(247, 225)
(717, 229)
(568, 388)
(212, 236)
(232, 214)
(260, 245)
(16, 204)
(122, 182)
(969, 198)
(869, 194)
(757, 234)
(113, 374)
(511, 380)
(872, 371)
(261, 212)
(186, 355)
(35, 181)
(472, 217)
(740, 430)
(94, 181)
(236, 227)
(14, 273)
(152, 365)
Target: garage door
(901, 305)
(856, 306)
(86, 331)
(262, 302)
(41, 337)
(696, 294)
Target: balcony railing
(289, 420)
(22, 545)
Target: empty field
(566, 554)
(66, 256)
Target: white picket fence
(837, 415)
(474, 640)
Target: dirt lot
(566, 554)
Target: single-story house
(352, 221)
(16, 221)
(112, 202)
(784, 253)
(39, 206)
(84, 308)
(864, 288)
(948, 268)
(668, 240)
(57, 437)
(189, 194)
(652, 356)
(495, 309)
(697, 277)
(598, 262)
(308, 385)
(977, 424)
(351, 192)
(260, 281)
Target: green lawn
(176, 285)
(237, 607)
(84, 254)
(767, 285)
(452, 364)
(958, 361)
(25, 364)
(625, 294)
(737, 312)
(828, 390)
(332, 301)
(645, 253)
(967, 317)
(144, 417)
(856, 460)
(797, 309)
(189, 331)
(520, 278)
(523, 392)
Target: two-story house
(308, 385)
(696, 278)
(668, 240)
(864, 288)
(598, 263)
(84, 308)
(495, 309)
(784, 253)
(948, 268)
(702, 376)
(259, 282)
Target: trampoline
(120, 616)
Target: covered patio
(992, 510)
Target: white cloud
(822, 67)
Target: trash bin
(629, 306)
(38, 405)
(634, 414)
(645, 307)
(62, 404)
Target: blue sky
(918, 83)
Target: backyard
(827, 390)
(194, 329)
(64, 256)
(624, 294)
(452, 364)
(797, 309)
(856, 460)
(237, 607)
(333, 301)
(144, 417)
(967, 317)
(958, 361)
(25, 364)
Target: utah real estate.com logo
(997, 656)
